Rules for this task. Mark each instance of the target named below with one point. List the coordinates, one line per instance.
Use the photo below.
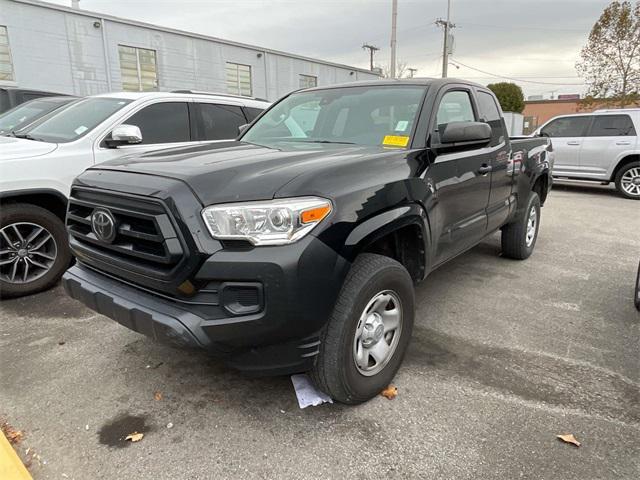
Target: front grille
(145, 238)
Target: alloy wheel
(630, 181)
(27, 252)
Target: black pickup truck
(296, 247)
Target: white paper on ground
(307, 393)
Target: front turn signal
(314, 215)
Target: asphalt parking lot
(505, 356)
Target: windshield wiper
(26, 136)
(326, 141)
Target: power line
(513, 78)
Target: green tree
(610, 61)
(509, 95)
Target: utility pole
(394, 17)
(412, 71)
(372, 50)
(445, 51)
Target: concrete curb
(11, 467)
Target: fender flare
(386, 222)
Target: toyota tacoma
(296, 247)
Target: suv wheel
(367, 335)
(628, 181)
(519, 237)
(33, 249)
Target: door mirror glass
(465, 132)
(126, 135)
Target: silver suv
(601, 146)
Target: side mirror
(467, 133)
(242, 128)
(125, 135)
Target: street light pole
(394, 16)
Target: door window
(612, 126)
(252, 112)
(488, 111)
(566, 127)
(455, 106)
(163, 123)
(220, 122)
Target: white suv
(601, 146)
(38, 165)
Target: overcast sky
(533, 40)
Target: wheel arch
(626, 160)
(401, 233)
(46, 198)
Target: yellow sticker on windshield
(395, 140)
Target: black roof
(421, 81)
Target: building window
(138, 69)
(308, 81)
(239, 79)
(6, 65)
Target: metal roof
(102, 16)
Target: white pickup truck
(601, 146)
(38, 164)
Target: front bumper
(299, 283)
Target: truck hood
(12, 148)
(236, 171)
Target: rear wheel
(33, 249)
(628, 181)
(365, 340)
(519, 237)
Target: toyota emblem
(103, 225)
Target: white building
(68, 50)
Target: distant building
(537, 112)
(68, 50)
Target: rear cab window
(489, 113)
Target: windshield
(28, 112)
(372, 115)
(76, 120)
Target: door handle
(623, 143)
(574, 142)
(484, 169)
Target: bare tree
(401, 70)
(610, 62)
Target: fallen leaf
(134, 437)
(157, 396)
(14, 436)
(61, 342)
(569, 438)
(390, 392)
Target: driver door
(461, 179)
(567, 135)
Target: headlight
(271, 222)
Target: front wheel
(34, 252)
(367, 335)
(628, 181)
(519, 237)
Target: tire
(53, 252)
(636, 292)
(515, 240)
(372, 278)
(628, 181)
